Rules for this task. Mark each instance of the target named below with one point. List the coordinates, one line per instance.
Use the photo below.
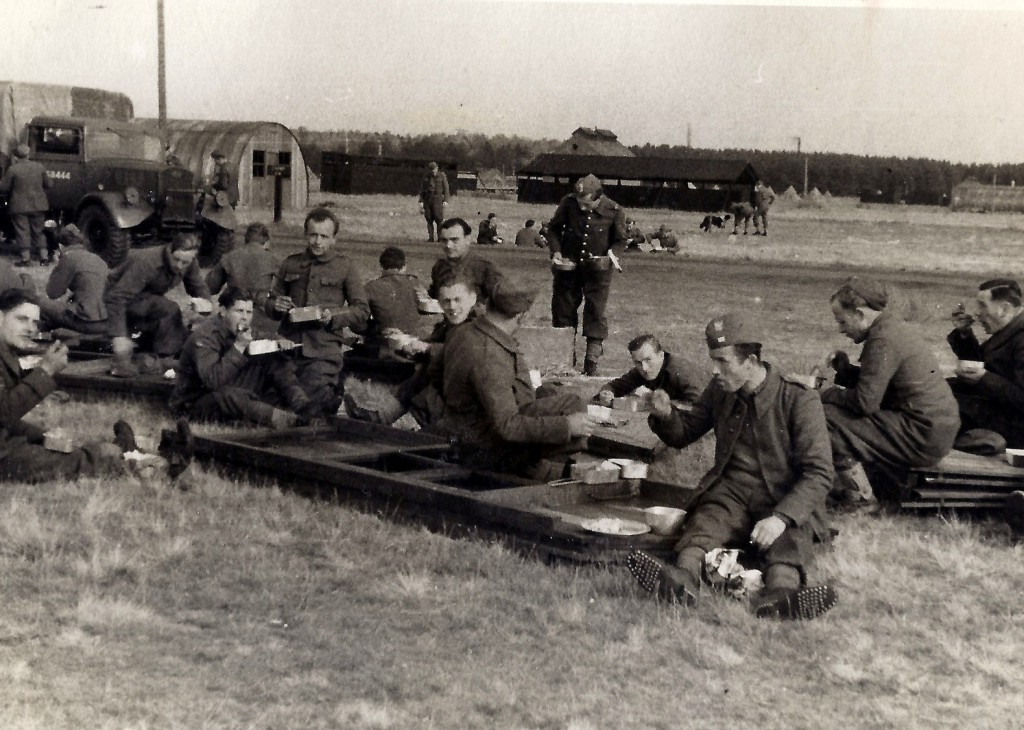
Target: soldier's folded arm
(130, 281)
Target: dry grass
(242, 605)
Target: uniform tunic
(22, 456)
(434, 194)
(763, 199)
(393, 304)
(215, 380)
(224, 179)
(25, 184)
(84, 275)
(135, 298)
(579, 234)
(996, 401)
(332, 282)
(250, 268)
(490, 406)
(896, 409)
(530, 237)
(771, 457)
(678, 377)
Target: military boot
(595, 348)
(856, 491)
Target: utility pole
(689, 136)
(161, 67)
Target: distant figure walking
(433, 199)
(25, 184)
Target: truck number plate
(58, 174)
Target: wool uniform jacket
(20, 392)
(678, 377)
(793, 446)
(576, 233)
(26, 183)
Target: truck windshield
(107, 143)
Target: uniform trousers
(56, 315)
(725, 515)
(28, 228)
(888, 438)
(30, 462)
(979, 411)
(584, 286)
(159, 320)
(433, 211)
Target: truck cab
(113, 180)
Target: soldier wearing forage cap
(586, 228)
(767, 488)
(25, 184)
(82, 275)
(893, 411)
(490, 406)
(434, 196)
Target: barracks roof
(642, 168)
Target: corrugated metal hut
(640, 182)
(364, 175)
(19, 102)
(255, 147)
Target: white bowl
(664, 520)
(1015, 457)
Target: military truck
(115, 181)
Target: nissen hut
(256, 148)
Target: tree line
(888, 179)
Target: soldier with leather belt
(585, 230)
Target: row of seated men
(782, 445)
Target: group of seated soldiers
(784, 444)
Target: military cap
(22, 150)
(69, 235)
(588, 185)
(734, 328)
(508, 300)
(873, 292)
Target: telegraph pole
(161, 67)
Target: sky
(910, 78)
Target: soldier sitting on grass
(767, 488)
(394, 303)
(251, 268)
(491, 408)
(217, 379)
(82, 276)
(26, 378)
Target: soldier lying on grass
(26, 377)
(655, 369)
(767, 488)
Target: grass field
(242, 605)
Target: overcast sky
(934, 81)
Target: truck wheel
(217, 244)
(105, 239)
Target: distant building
(587, 141)
(362, 174)
(493, 182)
(255, 147)
(972, 195)
(640, 182)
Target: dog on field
(718, 221)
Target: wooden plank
(972, 465)
(632, 440)
(93, 376)
(977, 495)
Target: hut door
(264, 162)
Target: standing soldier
(587, 225)
(223, 178)
(764, 196)
(26, 183)
(433, 198)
